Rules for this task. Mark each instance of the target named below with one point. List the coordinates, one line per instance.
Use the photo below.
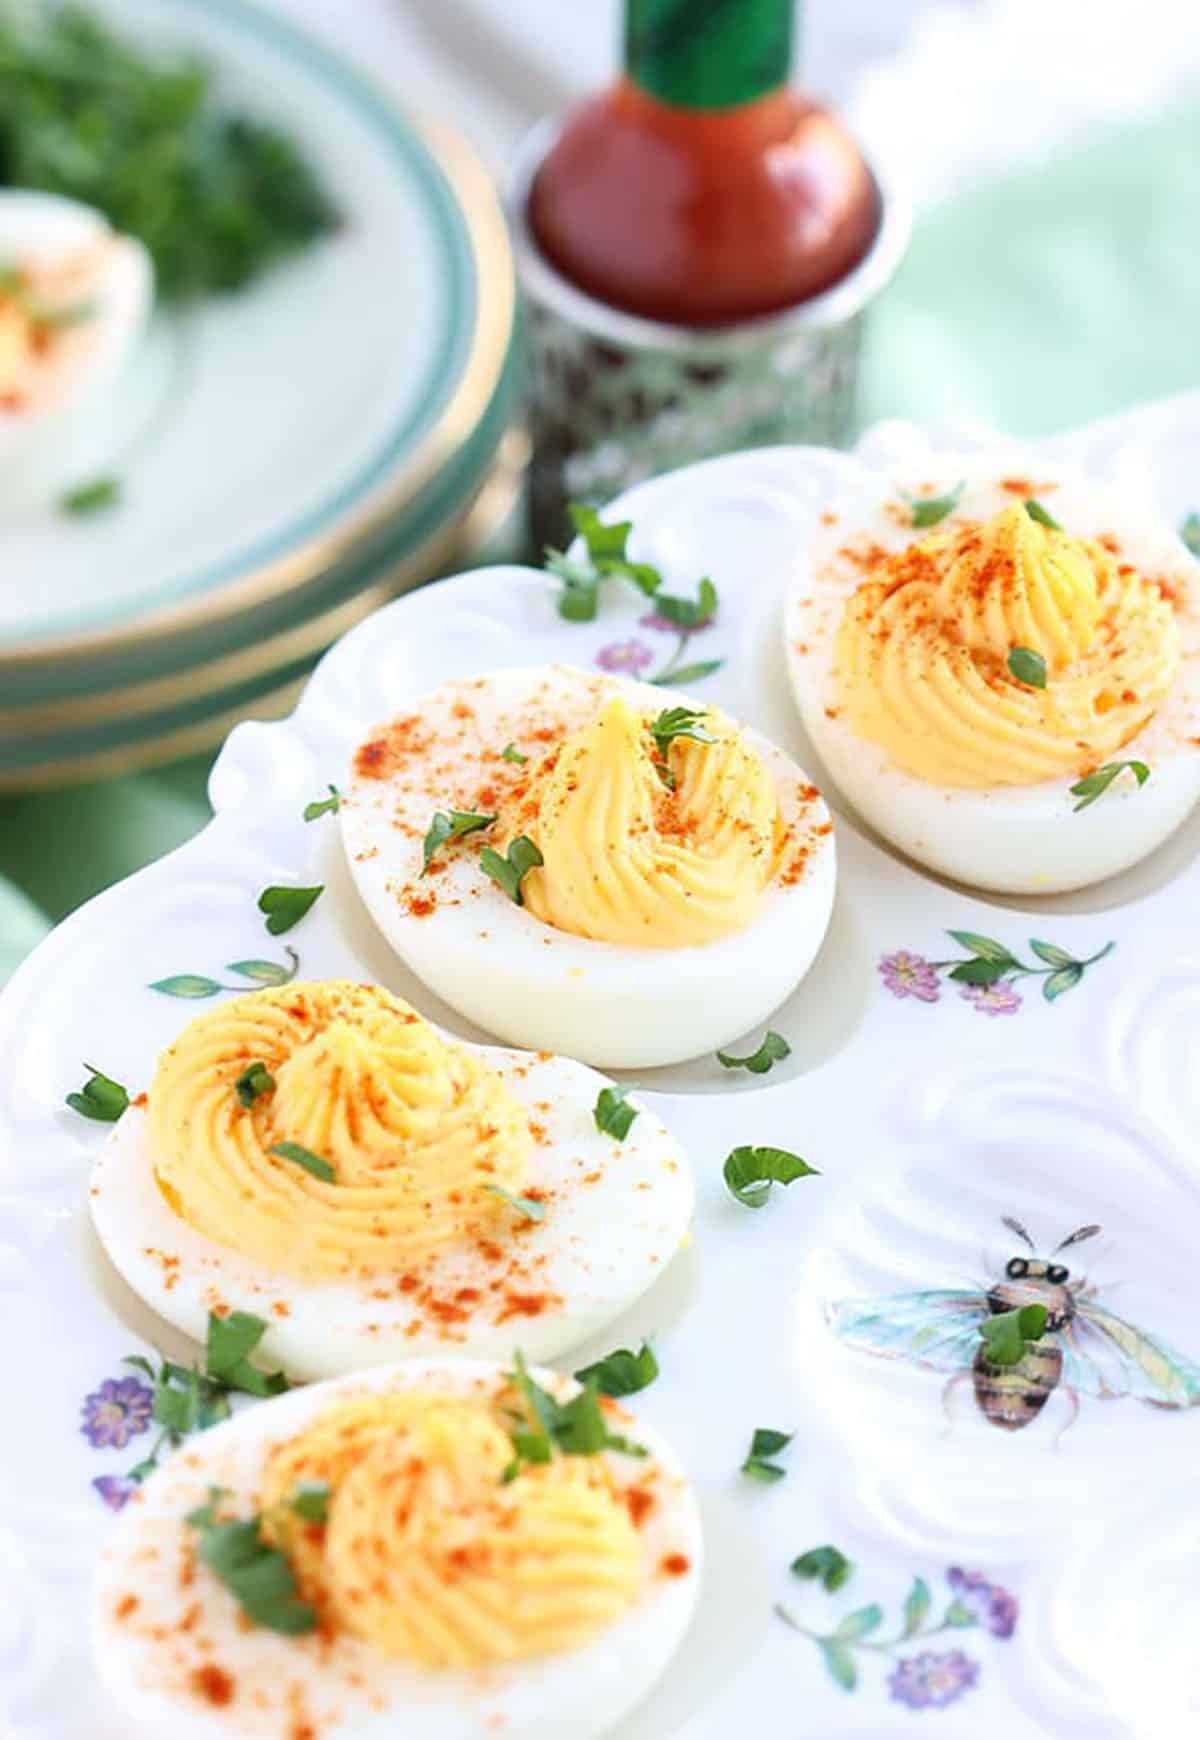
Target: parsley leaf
(231, 1339)
(930, 510)
(324, 806)
(254, 1080)
(1037, 512)
(1006, 1334)
(675, 722)
(606, 557)
(621, 1373)
(750, 1173)
(574, 1428)
(309, 1499)
(508, 872)
(101, 1098)
(1027, 667)
(91, 498)
(765, 1443)
(773, 1050)
(454, 826)
(526, 1205)
(1189, 534)
(510, 752)
(613, 1114)
(826, 1565)
(688, 614)
(259, 1576)
(301, 1156)
(285, 907)
(1096, 784)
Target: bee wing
(1107, 1357)
(938, 1329)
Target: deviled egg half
(74, 300)
(597, 865)
(1000, 668)
(443, 1552)
(321, 1157)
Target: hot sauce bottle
(697, 244)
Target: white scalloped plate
(929, 1113)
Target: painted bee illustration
(1085, 1349)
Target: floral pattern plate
(906, 1569)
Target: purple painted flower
(629, 656)
(991, 1605)
(997, 999)
(909, 975)
(116, 1412)
(115, 1489)
(662, 626)
(933, 1679)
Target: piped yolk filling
(414, 1129)
(427, 1553)
(921, 658)
(635, 858)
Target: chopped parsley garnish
(526, 1205)
(254, 1080)
(100, 1098)
(1037, 512)
(285, 907)
(613, 1114)
(574, 1428)
(688, 614)
(930, 510)
(91, 498)
(675, 722)
(324, 806)
(773, 1050)
(510, 752)
(1027, 667)
(445, 827)
(750, 1173)
(1007, 1333)
(231, 1339)
(826, 1565)
(305, 1157)
(259, 1576)
(509, 872)
(606, 557)
(766, 1443)
(309, 1499)
(622, 1372)
(1095, 785)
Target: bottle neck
(708, 54)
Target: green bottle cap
(708, 54)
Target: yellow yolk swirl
(921, 655)
(429, 1555)
(414, 1128)
(628, 860)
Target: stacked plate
(290, 456)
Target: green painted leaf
(839, 1664)
(986, 947)
(827, 1565)
(1051, 953)
(959, 1616)
(1189, 531)
(916, 1606)
(265, 972)
(861, 1622)
(186, 985)
(677, 679)
(1059, 983)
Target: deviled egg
(74, 300)
(583, 862)
(1000, 668)
(319, 1155)
(433, 1551)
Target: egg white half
(615, 1214)
(153, 1630)
(1008, 838)
(616, 1006)
(37, 439)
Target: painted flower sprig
(988, 973)
(928, 1679)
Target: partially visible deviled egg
(440, 1552)
(631, 876)
(320, 1156)
(74, 300)
(1000, 668)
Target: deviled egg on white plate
(74, 301)
(443, 1552)
(320, 1156)
(586, 863)
(1000, 668)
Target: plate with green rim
(268, 435)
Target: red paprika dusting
(676, 1564)
(213, 1684)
